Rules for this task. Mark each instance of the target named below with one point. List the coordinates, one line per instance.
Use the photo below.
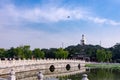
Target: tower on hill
(83, 40)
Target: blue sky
(45, 23)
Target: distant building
(83, 40)
(81, 55)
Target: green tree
(61, 53)
(27, 51)
(50, 53)
(11, 53)
(37, 53)
(116, 52)
(20, 53)
(108, 55)
(23, 52)
(101, 55)
(2, 52)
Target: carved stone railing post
(85, 77)
(40, 76)
(12, 75)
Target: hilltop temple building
(82, 40)
(81, 55)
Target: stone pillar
(12, 75)
(40, 76)
(85, 77)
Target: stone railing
(27, 65)
(14, 63)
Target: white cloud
(113, 23)
(97, 20)
(103, 21)
(10, 14)
(51, 14)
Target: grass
(104, 65)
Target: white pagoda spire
(83, 40)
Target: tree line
(94, 52)
(24, 52)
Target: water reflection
(71, 74)
(94, 74)
(104, 74)
(49, 74)
(65, 74)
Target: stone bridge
(28, 65)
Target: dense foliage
(60, 53)
(24, 52)
(103, 55)
(94, 52)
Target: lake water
(93, 74)
(71, 74)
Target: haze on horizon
(49, 23)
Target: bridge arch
(52, 68)
(68, 67)
(79, 66)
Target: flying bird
(68, 16)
